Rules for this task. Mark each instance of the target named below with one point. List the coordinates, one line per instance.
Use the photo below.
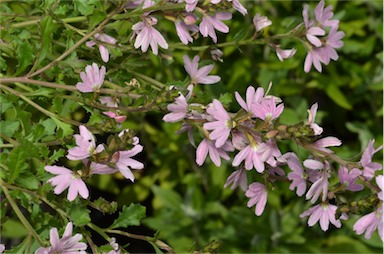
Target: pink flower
(312, 34)
(178, 110)
(257, 193)
(380, 182)
(325, 213)
(92, 79)
(67, 179)
(370, 167)
(210, 23)
(237, 178)
(261, 22)
(267, 109)
(252, 96)
(199, 76)
(191, 4)
(116, 116)
(86, 145)
(183, 29)
(238, 7)
(221, 128)
(369, 223)
(322, 143)
(284, 53)
(215, 153)
(311, 120)
(124, 163)
(348, 178)
(67, 244)
(332, 42)
(297, 176)
(250, 154)
(2, 248)
(323, 16)
(321, 184)
(148, 36)
(103, 50)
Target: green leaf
(47, 28)
(8, 127)
(129, 216)
(56, 155)
(16, 163)
(67, 128)
(25, 57)
(87, 7)
(79, 215)
(157, 250)
(28, 181)
(97, 17)
(105, 206)
(338, 97)
(13, 229)
(168, 197)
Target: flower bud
(190, 19)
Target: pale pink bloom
(100, 169)
(132, 4)
(207, 147)
(210, 23)
(191, 4)
(369, 223)
(332, 42)
(297, 176)
(267, 109)
(183, 29)
(221, 128)
(178, 110)
(103, 50)
(321, 184)
(239, 140)
(250, 154)
(258, 194)
(284, 53)
(92, 78)
(261, 22)
(252, 96)
(238, 7)
(148, 36)
(314, 57)
(67, 179)
(312, 34)
(199, 76)
(269, 152)
(85, 145)
(370, 167)
(117, 117)
(322, 143)
(380, 182)
(324, 213)
(123, 162)
(107, 100)
(237, 178)
(68, 244)
(114, 245)
(2, 248)
(323, 16)
(311, 120)
(217, 55)
(348, 178)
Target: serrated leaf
(87, 7)
(57, 155)
(67, 128)
(129, 216)
(16, 163)
(28, 181)
(24, 57)
(79, 215)
(105, 206)
(338, 97)
(8, 128)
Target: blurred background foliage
(187, 204)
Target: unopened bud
(190, 19)
(282, 128)
(271, 134)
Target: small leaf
(129, 216)
(8, 128)
(47, 28)
(79, 215)
(28, 181)
(338, 97)
(25, 57)
(56, 155)
(16, 163)
(105, 206)
(67, 128)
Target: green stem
(79, 43)
(36, 106)
(36, 21)
(99, 230)
(158, 242)
(19, 214)
(158, 85)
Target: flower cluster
(322, 37)
(253, 134)
(100, 159)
